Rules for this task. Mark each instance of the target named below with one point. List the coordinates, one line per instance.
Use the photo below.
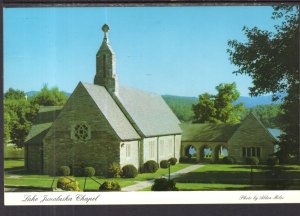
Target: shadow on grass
(277, 178)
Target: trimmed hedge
(273, 161)
(68, 184)
(186, 159)
(114, 171)
(164, 164)
(89, 171)
(110, 186)
(163, 184)
(129, 171)
(228, 160)
(173, 161)
(252, 161)
(150, 166)
(64, 171)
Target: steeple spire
(105, 65)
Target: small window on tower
(104, 65)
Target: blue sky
(166, 50)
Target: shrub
(163, 184)
(252, 161)
(164, 164)
(129, 171)
(64, 171)
(184, 159)
(110, 186)
(89, 172)
(273, 161)
(114, 170)
(228, 160)
(173, 161)
(150, 166)
(68, 184)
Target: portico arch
(206, 152)
(221, 151)
(190, 151)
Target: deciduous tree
(271, 59)
(219, 108)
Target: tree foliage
(271, 59)
(268, 114)
(14, 94)
(19, 113)
(49, 97)
(19, 116)
(219, 107)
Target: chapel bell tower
(106, 65)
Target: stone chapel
(103, 123)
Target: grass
(238, 177)
(15, 177)
(13, 164)
(208, 177)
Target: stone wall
(251, 133)
(33, 158)
(102, 149)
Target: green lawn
(13, 164)
(19, 178)
(238, 177)
(208, 177)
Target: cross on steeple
(105, 29)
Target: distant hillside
(182, 106)
(31, 93)
(254, 101)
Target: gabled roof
(149, 112)
(42, 123)
(111, 111)
(208, 132)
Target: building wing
(42, 123)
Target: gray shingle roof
(111, 111)
(208, 132)
(149, 112)
(42, 123)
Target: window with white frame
(170, 146)
(251, 151)
(161, 147)
(128, 150)
(151, 149)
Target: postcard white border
(129, 198)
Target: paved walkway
(144, 184)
